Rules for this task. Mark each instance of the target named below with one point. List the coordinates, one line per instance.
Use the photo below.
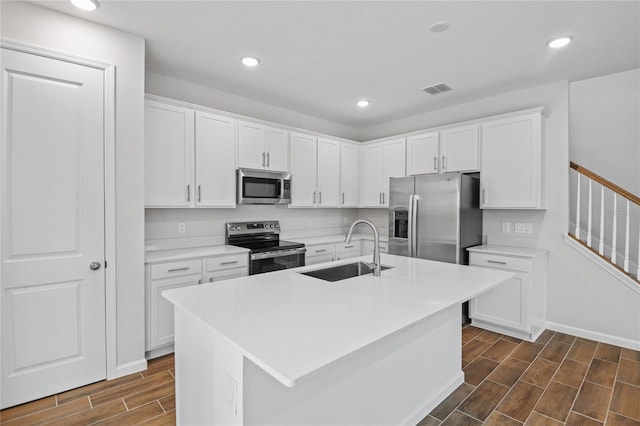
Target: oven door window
(253, 187)
(260, 266)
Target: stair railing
(629, 199)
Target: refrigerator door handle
(414, 225)
(410, 227)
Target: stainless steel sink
(342, 272)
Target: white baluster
(589, 215)
(614, 236)
(577, 234)
(601, 245)
(638, 271)
(626, 243)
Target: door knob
(94, 266)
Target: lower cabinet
(516, 307)
(347, 251)
(163, 276)
(321, 253)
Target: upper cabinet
(450, 150)
(381, 161)
(513, 162)
(349, 174)
(328, 173)
(262, 148)
(189, 157)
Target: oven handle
(278, 253)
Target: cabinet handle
(210, 279)
(199, 193)
(484, 197)
(178, 269)
(200, 281)
(314, 197)
(380, 198)
(188, 193)
(383, 197)
(435, 163)
(320, 197)
(349, 246)
(229, 263)
(496, 262)
(343, 198)
(263, 159)
(268, 160)
(444, 163)
(321, 251)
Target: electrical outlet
(182, 227)
(506, 226)
(523, 228)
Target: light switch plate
(523, 228)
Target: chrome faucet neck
(376, 243)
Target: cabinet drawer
(226, 274)
(499, 261)
(225, 262)
(348, 248)
(320, 250)
(321, 258)
(176, 269)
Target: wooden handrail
(602, 181)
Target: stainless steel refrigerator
(435, 217)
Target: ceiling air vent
(437, 89)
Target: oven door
(276, 260)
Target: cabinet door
(372, 175)
(511, 163)
(314, 260)
(160, 310)
(328, 173)
(226, 274)
(394, 165)
(459, 149)
(422, 154)
(303, 170)
(168, 155)
(504, 305)
(215, 160)
(349, 172)
(347, 251)
(251, 151)
(277, 148)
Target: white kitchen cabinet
(303, 170)
(263, 148)
(349, 174)
(168, 155)
(449, 150)
(319, 253)
(367, 247)
(347, 250)
(513, 162)
(517, 307)
(189, 157)
(161, 276)
(328, 184)
(381, 161)
(423, 154)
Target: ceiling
(319, 57)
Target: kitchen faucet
(376, 243)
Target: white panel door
(303, 170)
(395, 161)
(328, 173)
(422, 154)
(52, 225)
(459, 149)
(277, 147)
(215, 160)
(349, 172)
(372, 175)
(168, 154)
(251, 152)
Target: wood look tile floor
(557, 380)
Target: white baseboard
(130, 368)
(592, 335)
(423, 411)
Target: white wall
(170, 87)
(581, 298)
(30, 24)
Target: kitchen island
(285, 348)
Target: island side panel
(398, 380)
(209, 374)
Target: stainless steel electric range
(267, 251)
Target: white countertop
(292, 325)
(186, 253)
(524, 252)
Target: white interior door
(52, 226)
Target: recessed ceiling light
(362, 103)
(250, 62)
(560, 42)
(440, 26)
(86, 4)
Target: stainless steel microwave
(263, 187)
